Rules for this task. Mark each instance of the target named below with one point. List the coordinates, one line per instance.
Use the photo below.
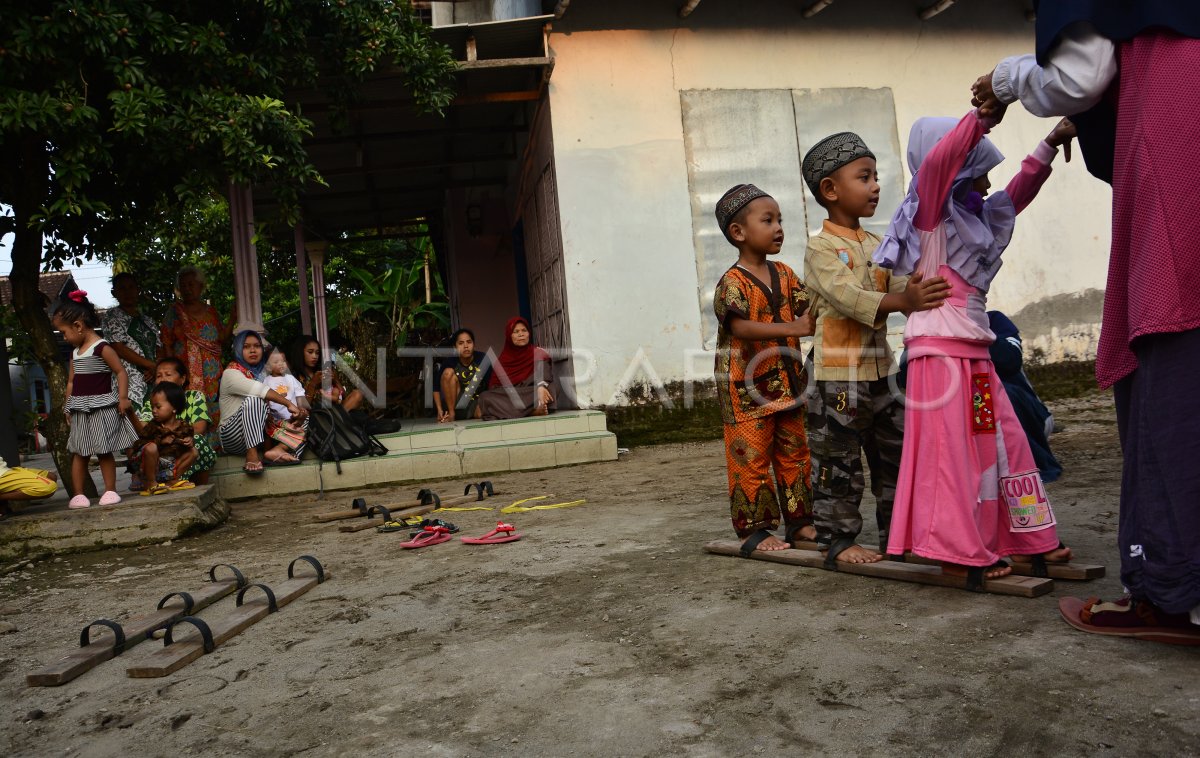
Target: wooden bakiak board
(103, 646)
(1018, 586)
(177, 653)
(1070, 571)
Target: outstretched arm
(935, 175)
(1035, 169)
(1079, 70)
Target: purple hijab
(977, 230)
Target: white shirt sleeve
(235, 383)
(1080, 68)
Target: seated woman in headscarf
(1035, 417)
(244, 407)
(522, 382)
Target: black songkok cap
(732, 202)
(829, 155)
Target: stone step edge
(430, 428)
(456, 449)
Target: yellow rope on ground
(473, 508)
(526, 500)
(489, 508)
(514, 508)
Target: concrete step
(429, 451)
(51, 528)
(427, 435)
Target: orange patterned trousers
(752, 449)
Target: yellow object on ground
(517, 508)
(35, 483)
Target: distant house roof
(52, 285)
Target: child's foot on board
(806, 533)
(770, 544)
(858, 554)
(1060, 554)
(990, 572)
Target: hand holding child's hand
(1061, 135)
(984, 98)
(124, 407)
(925, 294)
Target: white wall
(623, 179)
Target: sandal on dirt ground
(254, 468)
(156, 489)
(399, 526)
(428, 522)
(493, 538)
(433, 535)
(1129, 618)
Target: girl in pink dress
(969, 492)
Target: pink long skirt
(969, 491)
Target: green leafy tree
(115, 112)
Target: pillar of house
(316, 257)
(245, 258)
(302, 280)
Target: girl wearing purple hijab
(969, 493)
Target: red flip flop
(491, 537)
(1128, 618)
(430, 535)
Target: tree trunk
(32, 176)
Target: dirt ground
(605, 631)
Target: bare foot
(858, 554)
(52, 476)
(991, 572)
(806, 533)
(1058, 555)
(278, 455)
(771, 544)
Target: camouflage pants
(846, 420)
(753, 449)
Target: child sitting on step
(167, 447)
(195, 412)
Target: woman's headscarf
(983, 228)
(257, 370)
(517, 363)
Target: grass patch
(654, 425)
(1060, 381)
(649, 423)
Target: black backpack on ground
(334, 436)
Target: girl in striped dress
(95, 408)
